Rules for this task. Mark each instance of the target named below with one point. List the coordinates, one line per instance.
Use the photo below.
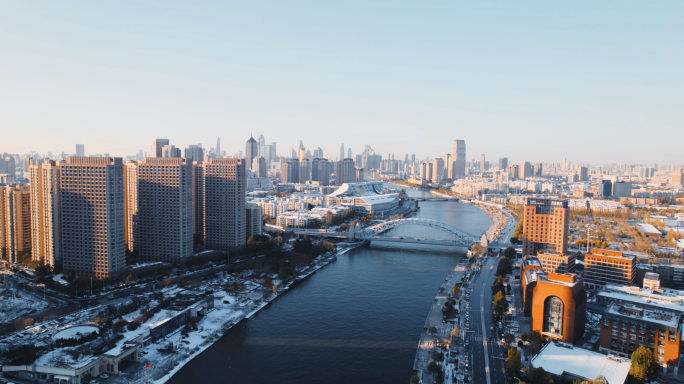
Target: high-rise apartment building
(458, 156)
(198, 201)
(194, 152)
(342, 152)
(131, 204)
(15, 222)
(538, 171)
(483, 163)
(289, 171)
(606, 188)
(259, 167)
(225, 183)
(304, 170)
(218, 149)
(45, 213)
(156, 147)
(254, 219)
(349, 153)
(583, 173)
(8, 166)
(514, 170)
(603, 266)
(545, 226)
(437, 170)
(80, 149)
(251, 151)
(320, 171)
(526, 170)
(92, 216)
(162, 223)
(170, 151)
(360, 175)
(503, 163)
(346, 172)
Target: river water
(357, 320)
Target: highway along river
(357, 320)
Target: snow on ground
(76, 332)
(12, 307)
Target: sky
(594, 82)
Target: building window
(672, 337)
(661, 351)
(661, 335)
(623, 335)
(606, 322)
(661, 343)
(661, 359)
(553, 316)
(614, 332)
(632, 337)
(632, 328)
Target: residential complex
(15, 222)
(224, 203)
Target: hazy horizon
(533, 81)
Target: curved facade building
(559, 308)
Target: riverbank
(228, 311)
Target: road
(488, 361)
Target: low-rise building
(569, 363)
(559, 308)
(651, 280)
(603, 266)
(649, 231)
(626, 327)
(555, 263)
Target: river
(357, 320)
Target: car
(490, 339)
(104, 376)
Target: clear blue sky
(534, 81)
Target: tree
(455, 332)
(415, 379)
(510, 253)
(28, 322)
(644, 365)
(433, 367)
(168, 281)
(508, 288)
(500, 303)
(513, 362)
(432, 330)
(510, 338)
(129, 278)
(268, 282)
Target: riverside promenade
(428, 342)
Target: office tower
(80, 150)
(503, 163)
(413, 158)
(45, 218)
(156, 147)
(448, 166)
(15, 222)
(304, 171)
(622, 189)
(130, 180)
(251, 151)
(259, 167)
(349, 153)
(483, 163)
(92, 216)
(514, 170)
(320, 171)
(302, 154)
(289, 171)
(602, 267)
(293, 154)
(360, 175)
(458, 156)
(346, 172)
(254, 219)
(218, 149)
(169, 151)
(546, 226)
(163, 220)
(194, 152)
(225, 183)
(526, 170)
(342, 152)
(606, 188)
(437, 170)
(583, 174)
(359, 160)
(538, 169)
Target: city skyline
(465, 71)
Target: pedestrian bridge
(457, 235)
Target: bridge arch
(458, 233)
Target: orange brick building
(603, 266)
(559, 306)
(554, 263)
(530, 266)
(625, 327)
(545, 226)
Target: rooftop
(557, 358)
(359, 189)
(648, 228)
(668, 299)
(631, 311)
